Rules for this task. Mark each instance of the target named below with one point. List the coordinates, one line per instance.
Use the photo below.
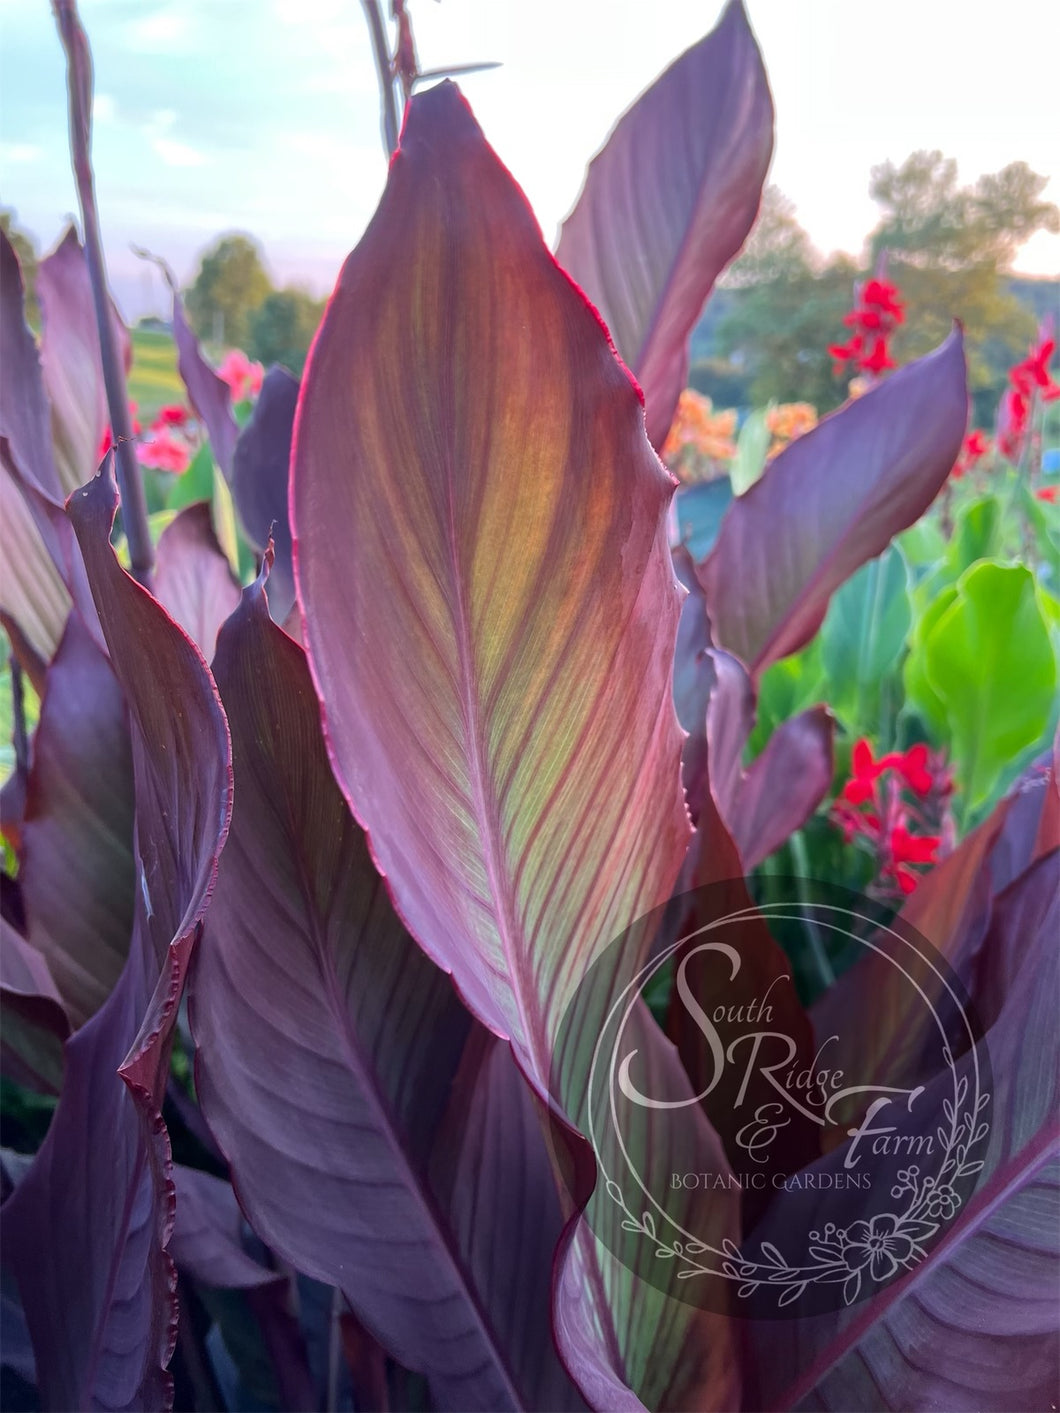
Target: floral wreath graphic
(877, 1247)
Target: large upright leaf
(669, 201)
(90, 1254)
(832, 500)
(70, 360)
(323, 1030)
(490, 605)
(77, 869)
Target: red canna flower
(106, 441)
(879, 359)
(172, 416)
(874, 806)
(976, 445)
(884, 296)
(1048, 494)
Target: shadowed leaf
(76, 864)
(96, 1282)
(321, 1028)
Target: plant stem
(817, 947)
(386, 78)
(79, 87)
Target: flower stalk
(130, 484)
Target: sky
(263, 116)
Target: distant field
(154, 380)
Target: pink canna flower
(164, 452)
(242, 376)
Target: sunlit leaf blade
(70, 361)
(31, 589)
(26, 456)
(489, 600)
(321, 1028)
(832, 500)
(90, 1254)
(76, 861)
(490, 605)
(261, 477)
(193, 579)
(973, 1325)
(669, 201)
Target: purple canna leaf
(669, 201)
(208, 394)
(76, 861)
(831, 501)
(206, 1234)
(973, 1324)
(776, 794)
(26, 457)
(193, 579)
(321, 1028)
(521, 675)
(32, 593)
(35, 1022)
(96, 1281)
(70, 361)
(261, 481)
(501, 720)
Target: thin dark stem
(79, 85)
(20, 736)
(334, 1350)
(386, 77)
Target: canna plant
(320, 835)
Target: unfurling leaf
(669, 201)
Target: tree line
(765, 332)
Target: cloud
(177, 154)
(19, 154)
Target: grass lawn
(154, 380)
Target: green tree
(282, 329)
(949, 248)
(783, 307)
(231, 284)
